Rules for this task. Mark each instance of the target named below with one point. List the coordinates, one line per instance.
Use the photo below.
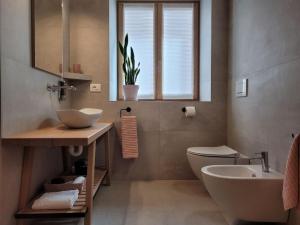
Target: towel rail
(128, 109)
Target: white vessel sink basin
(245, 192)
(81, 118)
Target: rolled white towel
(56, 200)
(79, 180)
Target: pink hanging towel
(129, 137)
(290, 193)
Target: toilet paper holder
(189, 111)
(183, 109)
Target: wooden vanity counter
(61, 137)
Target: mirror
(47, 35)
(53, 23)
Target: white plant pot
(130, 92)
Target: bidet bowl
(82, 118)
(245, 192)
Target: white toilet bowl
(199, 157)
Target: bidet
(245, 192)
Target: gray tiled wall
(164, 133)
(25, 105)
(265, 48)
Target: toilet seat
(219, 151)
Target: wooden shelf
(78, 210)
(77, 76)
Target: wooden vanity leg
(24, 194)
(107, 158)
(90, 182)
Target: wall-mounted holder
(189, 111)
(128, 109)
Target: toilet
(199, 157)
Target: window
(165, 38)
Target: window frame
(158, 28)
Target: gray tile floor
(156, 203)
(159, 202)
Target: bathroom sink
(245, 192)
(81, 118)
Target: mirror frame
(65, 45)
(32, 41)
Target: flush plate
(241, 88)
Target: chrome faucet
(264, 157)
(60, 89)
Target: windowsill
(156, 100)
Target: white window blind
(139, 24)
(177, 51)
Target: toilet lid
(212, 151)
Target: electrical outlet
(95, 87)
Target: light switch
(241, 88)
(95, 87)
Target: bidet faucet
(264, 157)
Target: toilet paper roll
(190, 111)
(75, 151)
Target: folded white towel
(56, 200)
(79, 180)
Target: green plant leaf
(128, 64)
(132, 57)
(126, 40)
(125, 45)
(124, 68)
(137, 73)
(121, 48)
(131, 71)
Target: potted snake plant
(131, 71)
